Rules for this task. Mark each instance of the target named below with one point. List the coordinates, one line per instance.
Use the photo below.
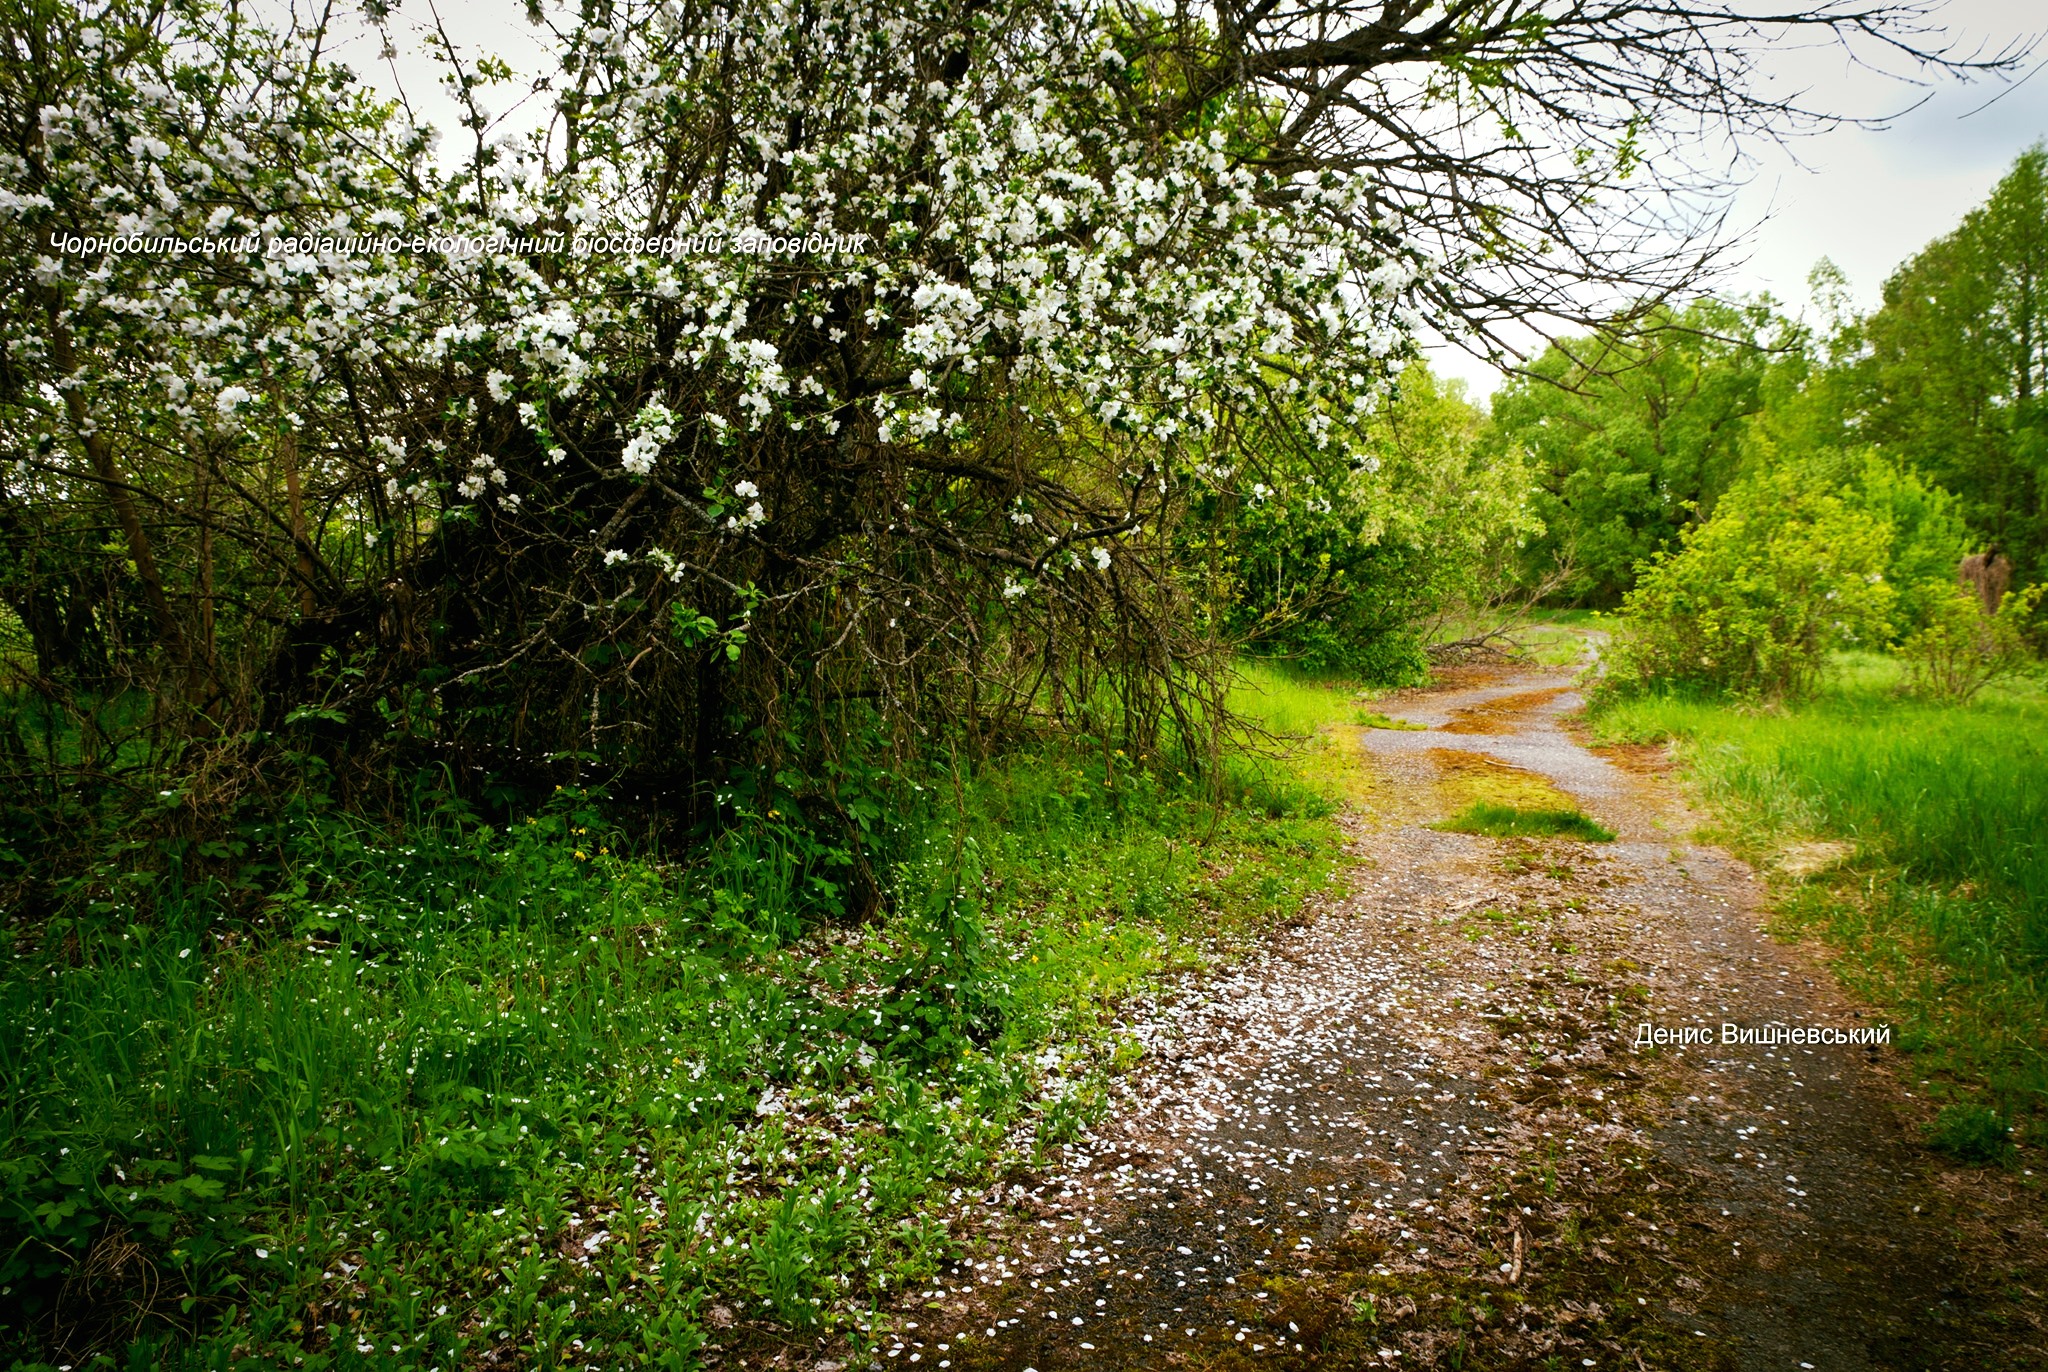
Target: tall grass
(1947, 808)
(515, 1090)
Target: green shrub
(1960, 649)
(1338, 560)
(1756, 598)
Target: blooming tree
(817, 361)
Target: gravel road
(1418, 1128)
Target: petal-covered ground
(1421, 1127)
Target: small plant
(1971, 1133)
(1510, 821)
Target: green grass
(397, 1114)
(1509, 821)
(1971, 1133)
(1945, 908)
(1286, 701)
(1373, 719)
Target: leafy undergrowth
(1510, 821)
(510, 1097)
(1942, 911)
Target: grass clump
(1373, 719)
(1971, 1133)
(1512, 821)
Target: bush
(1341, 561)
(1757, 596)
(1960, 649)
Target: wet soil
(1420, 1128)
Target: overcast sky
(1870, 198)
(1865, 197)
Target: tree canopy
(1958, 363)
(820, 372)
(1635, 433)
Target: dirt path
(1418, 1130)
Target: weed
(488, 1089)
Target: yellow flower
(579, 855)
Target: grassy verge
(1941, 906)
(508, 1096)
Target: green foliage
(1509, 821)
(1634, 436)
(1971, 1133)
(1928, 533)
(1959, 649)
(1957, 365)
(1341, 569)
(435, 1100)
(1929, 536)
(1754, 599)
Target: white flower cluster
(1047, 252)
(484, 473)
(751, 517)
(653, 429)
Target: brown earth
(1418, 1129)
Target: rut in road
(1414, 1130)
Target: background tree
(1958, 361)
(1634, 433)
(1347, 570)
(672, 516)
